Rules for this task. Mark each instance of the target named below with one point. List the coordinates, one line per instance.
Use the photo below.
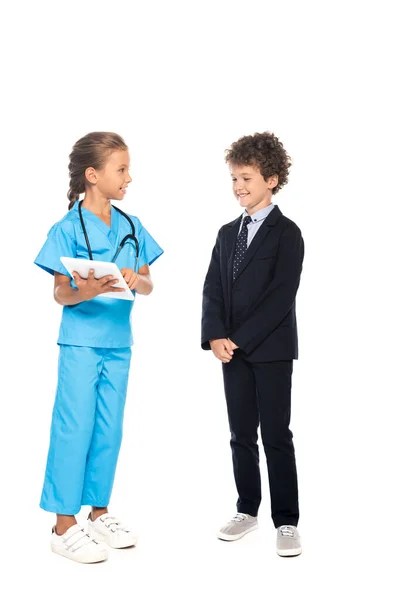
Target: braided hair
(90, 151)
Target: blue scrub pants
(86, 429)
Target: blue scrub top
(100, 322)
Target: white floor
(174, 485)
(178, 556)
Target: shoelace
(239, 517)
(287, 530)
(109, 521)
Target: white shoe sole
(232, 538)
(103, 538)
(292, 552)
(85, 559)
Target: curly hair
(264, 151)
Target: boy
(249, 322)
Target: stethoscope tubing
(124, 240)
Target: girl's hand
(131, 278)
(91, 287)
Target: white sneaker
(77, 545)
(108, 529)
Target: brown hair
(264, 151)
(90, 151)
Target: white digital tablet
(101, 269)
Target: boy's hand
(91, 287)
(131, 278)
(233, 345)
(222, 349)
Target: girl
(94, 339)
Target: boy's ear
(91, 175)
(272, 181)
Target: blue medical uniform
(95, 340)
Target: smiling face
(112, 180)
(250, 188)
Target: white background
(180, 81)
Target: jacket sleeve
(278, 298)
(212, 322)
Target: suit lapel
(260, 236)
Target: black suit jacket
(257, 311)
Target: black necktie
(241, 246)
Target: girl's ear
(91, 175)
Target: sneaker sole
(226, 537)
(81, 559)
(102, 538)
(289, 553)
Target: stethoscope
(130, 236)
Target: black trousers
(259, 394)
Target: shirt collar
(260, 215)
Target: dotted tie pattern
(241, 246)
